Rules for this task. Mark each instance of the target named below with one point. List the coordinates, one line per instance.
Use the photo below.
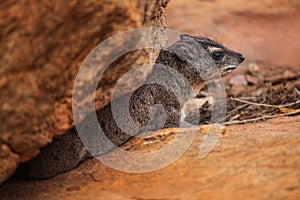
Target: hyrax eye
(218, 55)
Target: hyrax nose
(241, 58)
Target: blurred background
(266, 31)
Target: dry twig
(265, 105)
(262, 118)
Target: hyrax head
(226, 60)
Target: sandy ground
(267, 33)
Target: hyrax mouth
(229, 68)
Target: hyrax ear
(185, 36)
(185, 51)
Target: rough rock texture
(251, 161)
(9, 161)
(42, 46)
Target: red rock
(42, 47)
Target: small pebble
(238, 79)
(251, 79)
(253, 69)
